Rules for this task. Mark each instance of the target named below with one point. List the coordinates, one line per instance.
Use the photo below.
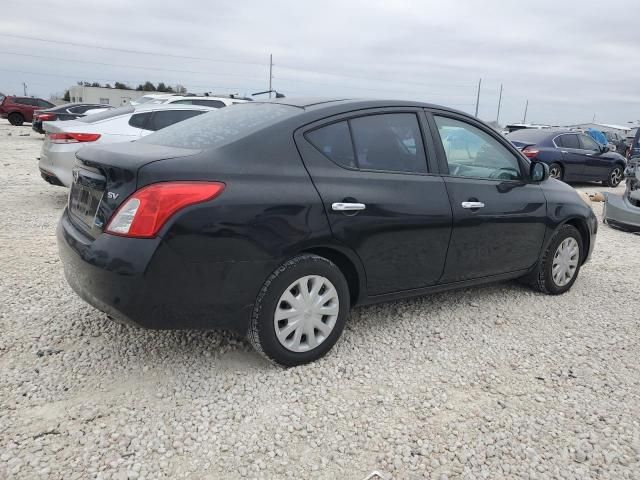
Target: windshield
(107, 114)
(143, 99)
(222, 126)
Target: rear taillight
(530, 152)
(73, 137)
(45, 117)
(144, 213)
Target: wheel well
(345, 265)
(581, 226)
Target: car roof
(316, 103)
(169, 106)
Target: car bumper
(58, 160)
(145, 283)
(619, 213)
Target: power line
(127, 50)
(127, 65)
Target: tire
(16, 119)
(272, 339)
(615, 177)
(556, 167)
(542, 278)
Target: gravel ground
(493, 382)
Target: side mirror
(604, 149)
(538, 172)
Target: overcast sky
(570, 59)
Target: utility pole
(270, 72)
(499, 104)
(24, 87)
(478, 98)
(526, 107)
(594, 118)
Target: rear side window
(107, 114)
(162, 119)
(209, 103)
(23, 101)
(391, 142)
(335, 142)
(387, 142)
(568, 141)
(139, 120)
(221, 127)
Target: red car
(20, 109)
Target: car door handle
(563, 151)
(472, 205)
(347, 207)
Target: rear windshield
(532, 135)
(107, 114)
(220, 127)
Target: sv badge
(112, 195)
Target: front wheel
(558, 268)
(300, 311)
(615, 177)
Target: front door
(498, 216)
(596, 165)
(381, 200)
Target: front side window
(470, 152)
(589, 144)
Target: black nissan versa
(274, 218)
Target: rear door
(499, 218)
(382, 197)
(572, 155)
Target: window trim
(523, 162)
(428, 150)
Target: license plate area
(85, 197)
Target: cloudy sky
(570, 59)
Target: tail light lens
(45, 117)
(530, 152)
(145, 212)
(73, 137)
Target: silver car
(63, 139)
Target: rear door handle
(348, 207)
(472, 205)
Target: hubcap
(306, 313)
(616, 176)
(555, 172)
(565, 261)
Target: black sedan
(572, 156)
(274, 218)
(68, 111)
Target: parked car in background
(617, 141)
(205, 101)
(68, 111)
(20, 109)
(274, 218)
(634, 145)
(63, 139)
(572, 156)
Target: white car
(171, 98)
(63, 139)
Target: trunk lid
(106, 175)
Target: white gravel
(493, 382)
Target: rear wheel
(615, 177)
(300, 311)
(555, 171)
(16, 119)
(558, 268)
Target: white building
(107, 96)
(604, 127)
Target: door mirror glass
(604, 148)
(539, 171)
